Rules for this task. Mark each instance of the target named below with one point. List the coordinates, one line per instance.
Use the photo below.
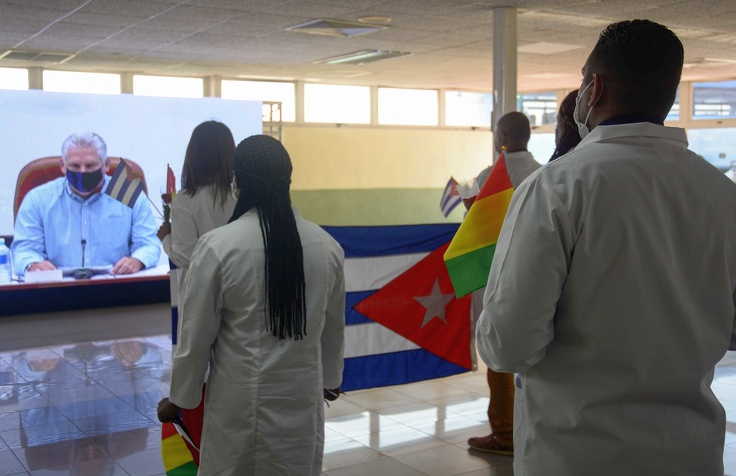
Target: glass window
(13, 78)
(408, 107)
(714, 100)
(674, 114)
(464, 108)
(263, 91)
(542, 146)
(339, 104)
(715, 145)
(168, 86)
(540, 108)
(80, 82)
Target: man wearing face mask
(612, 285)
(71, 223)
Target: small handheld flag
(180, 442)
(450, 197)
(168, 197)
(469, 257)
(124, 187)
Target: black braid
(263, 174)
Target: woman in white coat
(264, 309)
(205, 201)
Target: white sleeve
(184, 235)
(333, 334)
(529, 269)
(199, 323)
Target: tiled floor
(88, 409)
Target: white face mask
(583, 128)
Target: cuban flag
(403, 322)
(450, 197)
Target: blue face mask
(84, 182)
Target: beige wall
(350, 157)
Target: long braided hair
(262, 169)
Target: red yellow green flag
(177, 456)
(468, 258)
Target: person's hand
(41, 266)
(164, 230)
(331, 394)
(127, 265)
(167, 411)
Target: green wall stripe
(383, 206)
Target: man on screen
(71, 222)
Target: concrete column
(504, 62)
(212, 87)
(35, 77)
(299, 102)
(126, 82)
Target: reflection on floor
(89, 409)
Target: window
(80, 82)
(714, 100)
(408, 107)
(674, 114)
(13, 78)
(464, 108)
(339, 104)
(263, 91)
(540, 108)
(542, 146)
(168, 86)
(715, 145)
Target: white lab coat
(192, 217)
(263, 410)
(612, 292)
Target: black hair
(642, 61)
(567, 136)
(263, 175)
(209, 160)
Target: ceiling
(450, 40)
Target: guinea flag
(468, 258)
(180, 453)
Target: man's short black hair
(642, 61)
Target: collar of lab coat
(639, 129)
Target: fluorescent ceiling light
(336, 28)
(565, 18)
(38, 56)
(362, 56)
(545, 48)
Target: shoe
(491, 444)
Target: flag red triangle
(420, 305)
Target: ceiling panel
(450, 40)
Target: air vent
(36, 56)
(362, 56)
(335, 28)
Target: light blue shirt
(53, 221)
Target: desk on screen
(146, 287)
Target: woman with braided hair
(263, 307)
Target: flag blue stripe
(367, 241)
(353, 317)
(395, 368)
(136, 194)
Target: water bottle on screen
(4, 263)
